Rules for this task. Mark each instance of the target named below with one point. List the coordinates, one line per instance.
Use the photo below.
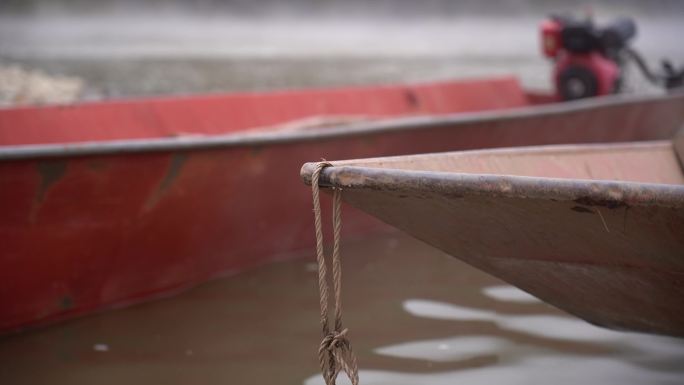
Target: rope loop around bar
(335, 352)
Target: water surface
(416, 316)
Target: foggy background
(350, 8)
(59, 51)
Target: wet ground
(416, 316)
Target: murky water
(416, 316)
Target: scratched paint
(172, 173)
(49, 172)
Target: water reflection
(629, 358)
(449, 349)
(544, 326)
(532, 371)
(634, 359)
(509, 293)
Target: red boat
(107, 204)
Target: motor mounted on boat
(589, 60)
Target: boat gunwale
(201, 142)
(588, 192)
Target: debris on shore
(19, 86)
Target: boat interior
(227, 113)
(643, 162)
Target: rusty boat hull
(596, 230)
(109, 204)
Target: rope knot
(334, 338)
(335, 352)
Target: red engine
(588, 60)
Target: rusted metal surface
(87, 226)
(595, 230)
